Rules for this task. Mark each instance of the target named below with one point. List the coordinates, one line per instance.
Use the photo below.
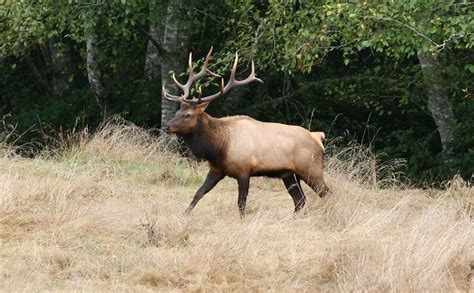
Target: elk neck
(208, 140)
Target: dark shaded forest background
(397, 77)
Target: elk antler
(204, 71)
(231, 83)
(191, 78)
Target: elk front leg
(213, 177)
(243, 182)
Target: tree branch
(407, 26)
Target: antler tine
(252, 73)
(177, 82)
(229, 84)
(234, 67)
(199, 94)
(190, 64)
(194, 76)
(206, 61)
(169, 96)
(232, 81)
(204, 70)
(187, 85)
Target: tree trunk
(152, 61)
(93, 73)
(152, 72)
(61, 63)
(438, 100)
(169, 60)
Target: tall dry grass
(104, 212)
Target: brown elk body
(241, 147)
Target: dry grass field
(105, 212)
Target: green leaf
(470, 68)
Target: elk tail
(319, 137)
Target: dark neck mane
(208, 140)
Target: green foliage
(30, 23)
(296, 35)
(347, 68)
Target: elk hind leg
(292, 184)
(318, 185)
(243, 182)
(315, 179)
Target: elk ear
(201, 107)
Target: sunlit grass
(105, 212)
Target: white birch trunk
(438, 104)
(169, 60)
(93, 73)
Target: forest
(96, 196)
(396, 77)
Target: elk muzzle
(168, 127)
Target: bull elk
(241, 147)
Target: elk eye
(187, 115)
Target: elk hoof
(188, 211)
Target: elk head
(188, 116)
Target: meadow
(104, 211)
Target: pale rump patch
(318, 137)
